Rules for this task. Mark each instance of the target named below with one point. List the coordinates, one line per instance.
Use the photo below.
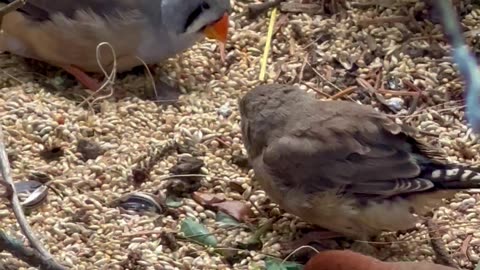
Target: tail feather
(449, 176)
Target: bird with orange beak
(66, 33)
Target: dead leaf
(187, 165)
(207, 199)
(236, 187)
(180, 187)
(237, 209)
(89, 149)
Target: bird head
(208, 17)
(264, 112)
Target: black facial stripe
(195, 13)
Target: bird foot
(86, 80)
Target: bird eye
(205, 5)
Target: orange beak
(218, 30)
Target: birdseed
(321, 52)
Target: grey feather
(68, 32)
(317, 145)
(344, 166)
(44, 9)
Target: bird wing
(358, 151)
(43, 9)
(45, 30)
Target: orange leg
(82, 77)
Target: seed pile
(391, 56)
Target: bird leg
(90, 83)
(82, 77)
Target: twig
(372, 4)
(465, 245)
(17, 208)
(27, 255)
(325, 79)
(416, 99)
(311, 9)
(263, 61)
(318, 91)
(384, 20)
(397, 93)
(256, 10)
(373, 92)
(438, 246)
(345, 92)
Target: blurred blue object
(466, 62)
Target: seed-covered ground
(391, 55)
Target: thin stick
(254, 10)
(263, 67)
(345, 92)
(17, 208)
(438, 245)
(383, 20)
(325, 80)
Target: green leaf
(173, 202)
(226, 221)
(477, 267)
(275, 264)
(255, 242)
(198, 232)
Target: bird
(66, 33)
(343, 166)
(349, 260)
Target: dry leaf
(237, 209)
(207, 199)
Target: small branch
(27, 255)
(438, 246)
(256, 10)
(345, 92)
(465, 245)
(311, 9)
(17, 208)
(384, 20)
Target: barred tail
(452, 176)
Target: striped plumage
(344, 166)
